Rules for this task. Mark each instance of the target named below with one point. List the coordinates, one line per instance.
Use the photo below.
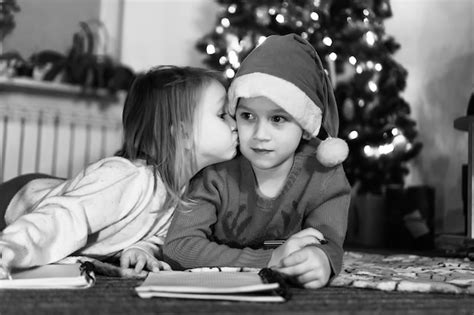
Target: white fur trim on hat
(332, 151)
(284, 93)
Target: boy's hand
(308, 266)
(141, 259)
(297, 241)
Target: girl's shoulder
(117, 162)
(116, 166)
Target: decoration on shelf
(466, 123)
(350, 37)
(86, 64)
(7, 18)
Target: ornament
(247, 43)
(347, 73)
(262, 15)
(382, 8)
(324, 6)
(348, 109)
(233, 42)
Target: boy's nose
(261, 131)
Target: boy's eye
(222, 115)
(278, 119)
(246, 116)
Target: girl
(174, 124)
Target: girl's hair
(158, 119)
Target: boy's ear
(306, 135)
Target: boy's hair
(158, 115)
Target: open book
(216, 284)
(53, 276)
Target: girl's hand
(308, 267)
(9, 255)
(141, 259)
(306, 237)
(6, 257)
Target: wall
(437, 49)
(165, 31)
(48, 24)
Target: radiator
(54, 131)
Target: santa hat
(288, 71)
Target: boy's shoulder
(226, 166)
(222, 169)
(307, 153)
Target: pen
(276, 243)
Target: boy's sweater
(231, 220)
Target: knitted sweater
(109, 206)
(231, 219)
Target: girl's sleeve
(189, 242)
(329, 216)
(61, 222)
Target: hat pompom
(332, 151)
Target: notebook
(231, 284)
(53, 276)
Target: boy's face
(268, 135)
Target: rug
(409, 273)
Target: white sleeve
(59, 225)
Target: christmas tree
(350, 38)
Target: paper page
(205, 282)
(226, 297)
(53, 276)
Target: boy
(281, 187)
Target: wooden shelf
(462, 123)
(55, 89)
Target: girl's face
(215, 136)
(268, 135)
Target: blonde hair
(158, 121)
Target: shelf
(462, 123)
(55, 89)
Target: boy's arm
(189, 242)
(330, 217)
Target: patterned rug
(409, 273)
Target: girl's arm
(62, 221)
